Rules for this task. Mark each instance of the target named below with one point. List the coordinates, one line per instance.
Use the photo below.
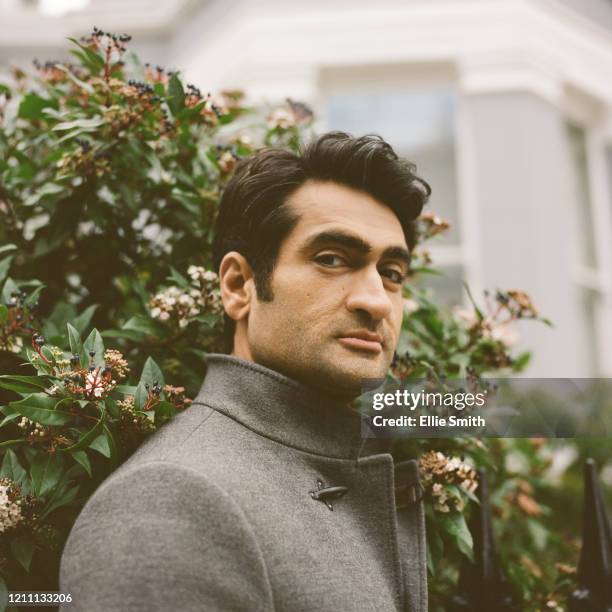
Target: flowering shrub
(110, 175)
(185, 303)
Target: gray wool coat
(260, 496)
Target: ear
(237, 285)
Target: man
(263, 495)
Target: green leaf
(36, 363)
(123, 333)
(5, 265)
(3, 313)
(8, 419)
(46, 472)
(32, 105)
(82, 84)
(7, 247)
(62, 498)
(101, 445)
(74, 338)
(30, 453)
(62, 313)
(12, 443)
(83, 124)
(113, 447)
(87, 438)
(177, 278)
(11, 468)
(140, 397)
(151, 373)
(176, 95)
(24, 384)
(9, 287)
(126, 389)
(48, 189)
(142, 324)
(539, 534)
(520, 363)
(23, 550)
(82, 321)
(84, 61)
(435, 543)
(164, 411)
(209, 320)
(455, 525)
(82, 459)
(33, 297)
(94, 342)
(40, 408)
(111, 406)
(90, 58)
(469, 294)
(192, 202)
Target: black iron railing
(483, 586)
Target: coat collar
(284, 410)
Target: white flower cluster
(115, 361)
(60, 359)
(501, 331)
(201, 276)
(281, 118)
(437, 470)
(441, 499)
(36, 428)
(185, 304)
(11, 343)
(93, 385)
(10, 511)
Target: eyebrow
(357, 244)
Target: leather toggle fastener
(408, 494)
(326, 494)
(408, 488)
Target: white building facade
(504, 105)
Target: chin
(351, 373)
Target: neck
(284, 409)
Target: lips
(363, 340)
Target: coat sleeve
(160, 536)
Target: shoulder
(165, 522)
(158, 495)
(171, 436)
(204, 441)
(155, 481)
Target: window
(583, 208)
(420, 125)
(590, 161)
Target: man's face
(337, 310)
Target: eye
(394, 275)
(330, 260)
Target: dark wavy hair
(253, 220)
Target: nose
(368, 294)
